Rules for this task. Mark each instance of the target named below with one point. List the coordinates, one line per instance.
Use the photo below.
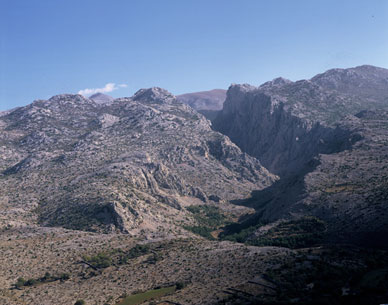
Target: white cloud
(109, 87)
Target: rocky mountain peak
(154, 95)
(62, 100)
(240, 96)
(237, 88)
(365, 81)
(72, 98)
(276, 82)
(364, 71)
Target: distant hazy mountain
(101, 98)
(204, 100)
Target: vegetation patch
(99, 261)
(139, 298)
(304, 232)
(117, 257)
(241, 235)
(47, 278)
(202, 231)
(207, 215)
(208, 218)
(136, 251)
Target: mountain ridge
(316, 139)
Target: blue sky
(49, 47)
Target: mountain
(285, 123)
(208, 103)
(125, 166)
(325, 137)
(143, 197)
(204, 100)
(366, 81)
(101, 98)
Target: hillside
(127, 166)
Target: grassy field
(146, 296)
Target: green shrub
(180, 285)
(46, 277)
(30, 282)
(20, 282)
(64, 276)
(99, 261)
(136, 251)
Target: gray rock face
(315, 134)
(205, 100)
(129, 165)
(348, 189)
(154, 95)
(285, 123)
(265, 127)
